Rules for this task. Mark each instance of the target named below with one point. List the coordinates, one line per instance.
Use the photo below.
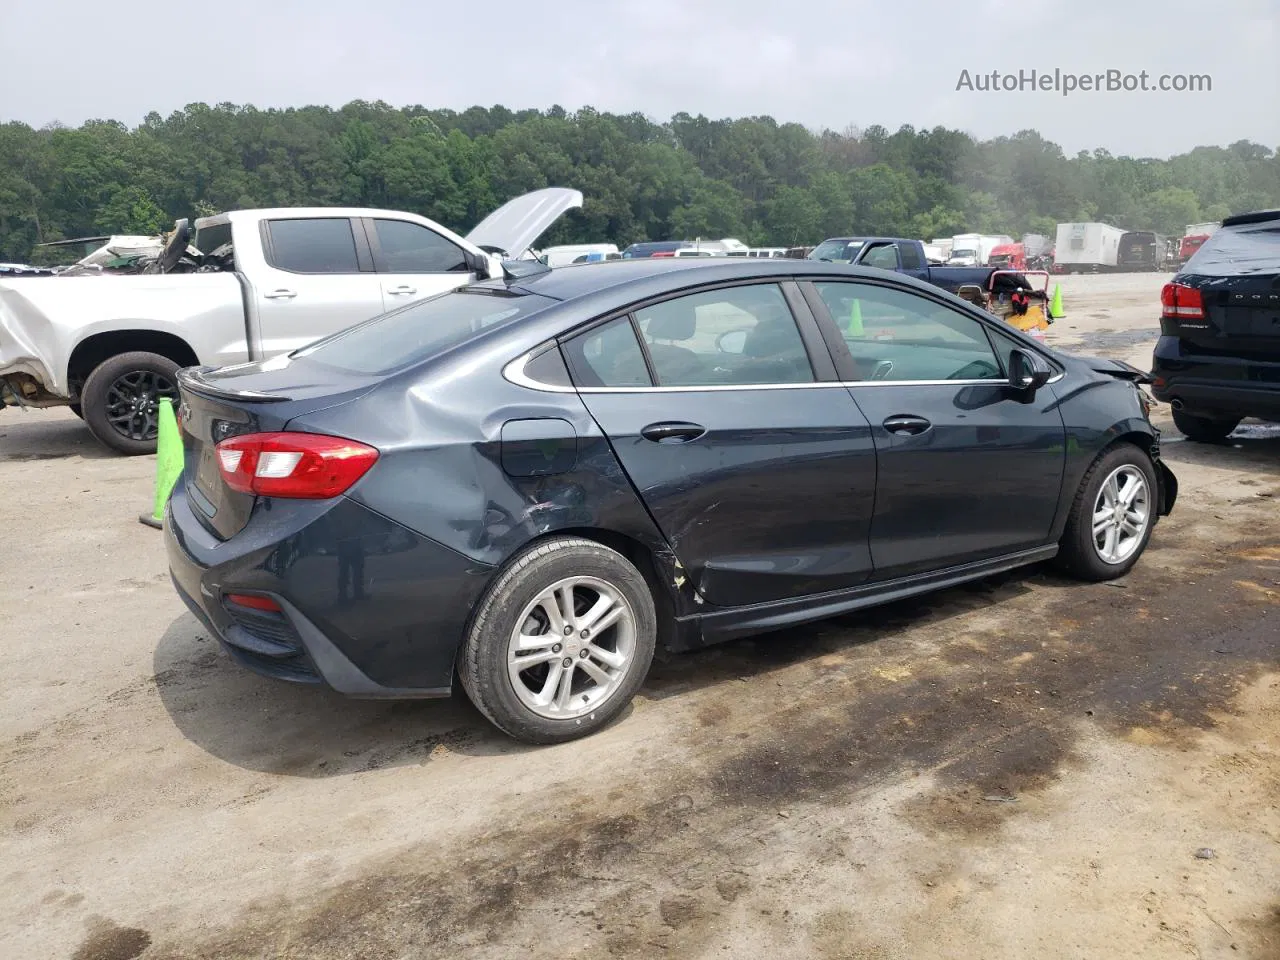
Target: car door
(968, 469)
(413, 261)
(724, 409)
(316, 278)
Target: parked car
(257, 283)
(578, 253)
(590, 462)
(1218, 356)
(651, 248)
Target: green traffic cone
(855, 319)
(168, 461)
(1055, 306)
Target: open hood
(513, 227)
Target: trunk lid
(514, 226)
(224, 402)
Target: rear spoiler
(193, 379)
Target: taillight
(305, 466)
(1180, 302)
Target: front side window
(318, 245)
(733, 336)
(897, 335)
(412, 248)
(884, 256)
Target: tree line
(764, 182)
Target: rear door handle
(402, 290)
(281, 294)
(905, 425)
(673, 432)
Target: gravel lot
(1025, 767)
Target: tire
(1080, 553)
(107, 388)
(1204, 429)
(77, 410)
(511, 605)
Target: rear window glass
(211, 237)
(421, 330)
(1231, 251)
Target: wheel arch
(94, 349)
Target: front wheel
(1112, 516)
(121, 397)
(561, 641)
(1204, 429)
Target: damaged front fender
(28, 349)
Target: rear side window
(1233, 251)
(735, 336)
(421, 330)
(412, 248)
(911, 259)
(609, 356)
(320, 245)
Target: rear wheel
(561, 641)
(1112, 516)
(121, 397)
(1204, 429)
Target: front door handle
(673, 432)
(905, 425)
(402, 290)
(281, 294)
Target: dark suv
(1218, 356)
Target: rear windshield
(421, 330)
(1233, 251)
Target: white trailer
(1087, 247)
(1201, 229)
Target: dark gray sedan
(530, 483)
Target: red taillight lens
(1180, 302)
(254, 602)
(303, 466)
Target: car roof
(1260, 216)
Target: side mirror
(1028, 371)
(732, 341)
(479, 264)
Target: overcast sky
(834, 63)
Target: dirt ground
(1024, 767)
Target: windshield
(963, 252)
(421, 330)
(837, 251)
(1238, 250)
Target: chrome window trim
(514, 373)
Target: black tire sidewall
(93, 398)
(1204, 429)
(483, 660)
(1083, 555)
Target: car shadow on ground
(1253, 447)
(276, 727)
(46, 435)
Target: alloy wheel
(1121, 514)
(133, 400)
(572, 648)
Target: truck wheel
(121, 396)
(1204, 429)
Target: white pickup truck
(263, 282)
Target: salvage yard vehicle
(531, 482)
(250, 284)
(1218, 357)
(1012, 296)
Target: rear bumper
(369, 608)
(1215, 386)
